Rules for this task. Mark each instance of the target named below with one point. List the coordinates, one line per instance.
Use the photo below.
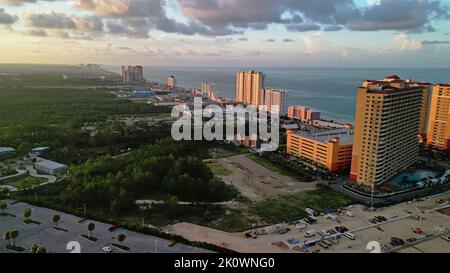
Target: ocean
(331, 91)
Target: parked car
(301, 225)
(446, 237)
(397, 241)
(417, 231)
(350, 235)
(113, 227)
(327, 242)
(322, 244)
(310, 233)
(107, 249)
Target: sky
(227, 33)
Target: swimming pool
(415, 176)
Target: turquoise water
(329, 90)
(415, 176)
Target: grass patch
(4, 214)
(90, 238)
(24, 182)
(278, 168)
(218, 169)
(122, 247)
(289, 207)
(30, 221)
(60, 229)
(16, 248)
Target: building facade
(332, 148)
(438, 134)
(387, 122)
(302, 113)
(274, 100)
(49, 167)
(208, 89)
(132, 74)
(248, 87)
(171, 82)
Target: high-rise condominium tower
(387, 122)
(132, 74)
(248, 87)
(438, 134)
(171, 82)
(274, 100)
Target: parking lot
(57, 240)
(401, 221)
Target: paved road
(32, 171)
(56, 241)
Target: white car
(446, 237)
(107, 249)
(350, 235)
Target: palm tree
(90, 227)
(121, 238)
(41, 249)
(14, 234)
(7, 236)
(55, 219)
(3, 206)
(27, 213)
(34, 248)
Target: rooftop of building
(345, 135)
(40, 149)
(50, 164)
(7, 149)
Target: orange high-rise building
(438, 135)
(249, 86)
(331, 148)
(387, 122)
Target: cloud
(21, 2)
(310, 15)
(7, 19)
(413, 15)
(405, 42)
(52, 20)
(37, 32)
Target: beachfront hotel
(274, 100)
(387, 121)
(302, 113)
(249, 85)
(331, 149)
(438, 135)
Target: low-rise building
(302, 113)
(5, 151)
(330, 148)
(49, 167)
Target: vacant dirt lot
(257, 182)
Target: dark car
(344, 229)
(397, 241)
(113, 227)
